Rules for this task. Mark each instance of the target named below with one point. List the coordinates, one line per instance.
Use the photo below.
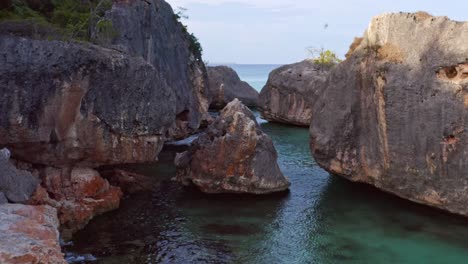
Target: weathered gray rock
(65, 103)
(233, 156)
(3, 199)
(395, 113)
(150, 29)
(225, 86)
(15, 185)
(29, 234)
(291, 92)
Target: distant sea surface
(255, 74)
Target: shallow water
(323, 219)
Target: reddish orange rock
(29, 234)
(79, 194)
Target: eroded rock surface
(29, 234)
(65, 103)
(79, 194)
(291, 92)
(150, 29)
(395, 113)
(232, 156)
(225, 86)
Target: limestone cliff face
(149, 29)
(67, 107)
(395, 113)
(75, 104)
(291, 91)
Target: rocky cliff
(150, 29)
(395, 113)
(67, 107)
(291, 91)
(225, 86)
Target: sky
(281, 31)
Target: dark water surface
(323, 219)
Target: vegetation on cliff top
(324, 57)
(73, 19)
(195, 45)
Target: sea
(322, 219)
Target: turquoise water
(323, 219)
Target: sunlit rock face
(29, 234)
(225, 86)
(232, 156)
(395, 113)
(291, 92)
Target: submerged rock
(395, 113)
(232, 156)
(291, 92)
(29, 234)
(15, 185)
(225, 86)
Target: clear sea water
(323, 219)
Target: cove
(322, 219)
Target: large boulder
(395, 113)
(232, 156)
(151, 30)
(29, 234)
(225, 86)
(291, 92)
(81, 104)
(15, 185)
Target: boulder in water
(225, 86)
(232, 156)
(394, 114)
(291, 91)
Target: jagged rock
(233, 156)
(291, 92)
(225, 86)
(79, 194)
(150, 29)
(29, 234)
(16, 185)
(395, 113)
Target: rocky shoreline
(393, 115)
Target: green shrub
(73, 18)
(195, 45)
(324, 57)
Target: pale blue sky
(279, 31)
